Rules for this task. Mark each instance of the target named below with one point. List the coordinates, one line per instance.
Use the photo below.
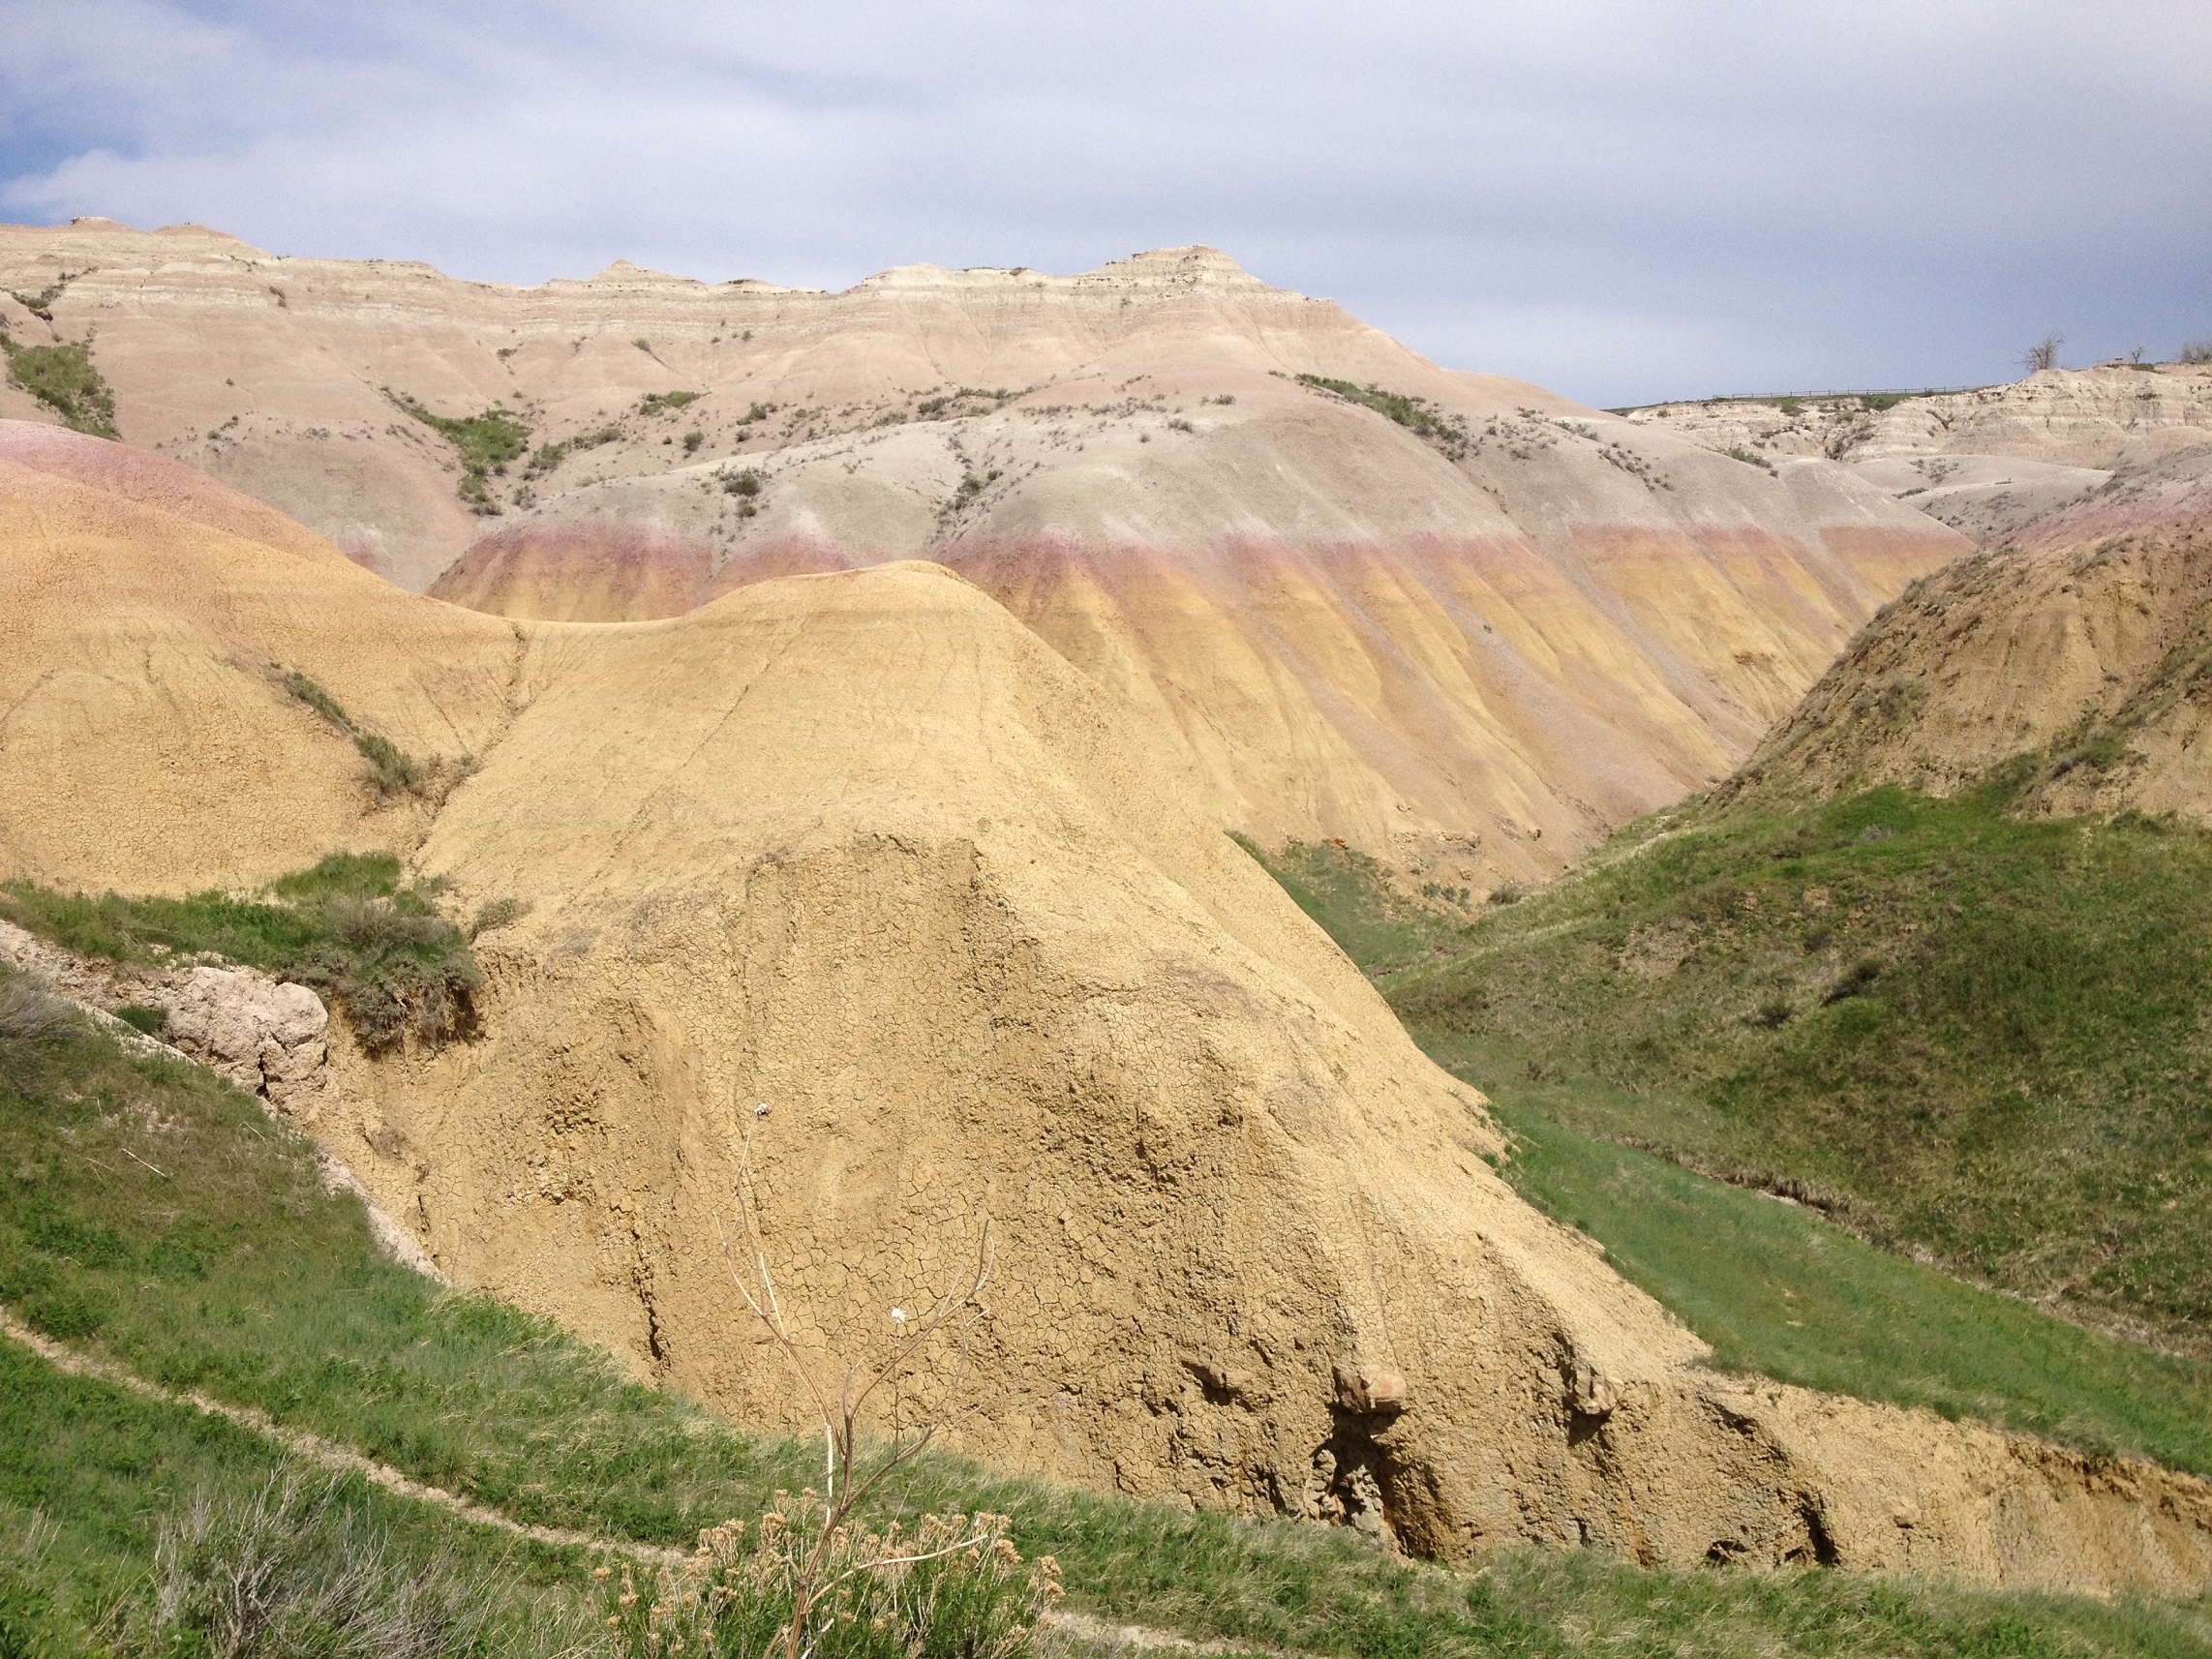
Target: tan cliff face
(861, 848)
(1470, 651)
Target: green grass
(390, 770)
(89, 1473)
(1416, 414)
(63, 378)
(1979, 1036)
(232, 1272)
(1776, 1290)
(487, 443)
(653, 403)
(380, 951)
(1945, 1029)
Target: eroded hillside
(953, 926)
(1454, 620)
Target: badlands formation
(1467, 627)
(862, 848)
(1988, 461)
(2080, 633)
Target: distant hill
(1986, 461)
(1457, 620)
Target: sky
(1621, 201)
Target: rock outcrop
(1988, 461)
(265, 1035)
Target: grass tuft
(390, 770)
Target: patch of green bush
(378, 951)
(390, 770)
(63, 378)
(1416, 414)
(653, 403)
(487, 443)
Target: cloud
(1622, 201)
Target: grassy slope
(1533, 1004)
(233, 1271)
(1985, 1038)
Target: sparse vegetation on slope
(379, 950)
(62, 376)
(392, 769)
(1416, 414)
(1629, 1006)
(487, 443)
(232, 1272)
(548, 456)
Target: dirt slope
(1467, 650)
(2085, 638)
(863, 849)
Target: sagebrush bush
(27, 1013)
(294, 1569)
(953, 1585)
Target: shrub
(692, 439)
(953, 1585)
(498, 914)
(487, 443)
(653, 403)
(143, 1017)
(2043, 354)
(746, 483)
(64, 379)
(551, 455)
(2197, 352)
(28, 1015)
(395, 966)
(297, 1569)
(1509, 893)
(1749, 457)
(391, 771)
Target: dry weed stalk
(813, 1581)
